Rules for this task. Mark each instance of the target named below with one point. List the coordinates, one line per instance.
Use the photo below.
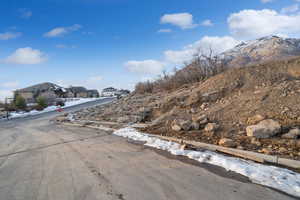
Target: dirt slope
(232, 100)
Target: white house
(109, 92)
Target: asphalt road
(40, 160)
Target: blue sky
(100, 43)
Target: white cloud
(61, 31)
(216, 44)
(11, 84)
(290, 9)
(250, 24)
(164, 31)
(9, 35)
(266, 1)
(207, 23)
(182, 20)
(145, 67)
(25, 13)
(26, 56)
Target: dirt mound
(221, 107)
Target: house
(52, 91)
(78, 92)
(48, 90)
(109, 92)
(93, 93)
(123, 92)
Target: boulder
(264, 129)
(178, 125)
(193, 99)
(202, 119)
(204, 106)
(61, 119)
(255, 119)
(292, 134)
(124, 119)
(195, 125)
(226, 142)
(266, 151)
(282, 150)
(211, 127)
(145, 114)
(211, 96)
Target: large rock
(145, 114)
(181, 124)
(264, 129)
(211, 127)
(255, 119)
(292, 134)
(195, 126)
(211, 96)
(124, 119)
(61, 119)
(201, 120)
(176, 127)
(226, 142)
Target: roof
(109, 89)
(124, 91)
(77, 89)
(38, 87)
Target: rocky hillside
(262, 50)
(255, 108)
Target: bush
(144, 87)
(199, 69)
(20, 103)
(60, 103)
(38, 108)
(42, 102)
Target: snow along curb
(279, 178)
(53, 108)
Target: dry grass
(201, 68)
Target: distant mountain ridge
(262, 50)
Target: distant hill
(262, 50)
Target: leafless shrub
(202, 67)
(144, 87)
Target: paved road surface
(40, 161)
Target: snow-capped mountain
(261, 50)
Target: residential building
(109, 92)
(52, 91)
(48, 90)
(79, 92)
(93, 93)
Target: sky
(102, 43)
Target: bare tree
(203, 66)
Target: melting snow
(274, 177)
(52, 108)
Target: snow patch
(271, 176)
(53, 108)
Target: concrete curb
(258, 157)
(103, 128)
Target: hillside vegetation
(219, 106)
